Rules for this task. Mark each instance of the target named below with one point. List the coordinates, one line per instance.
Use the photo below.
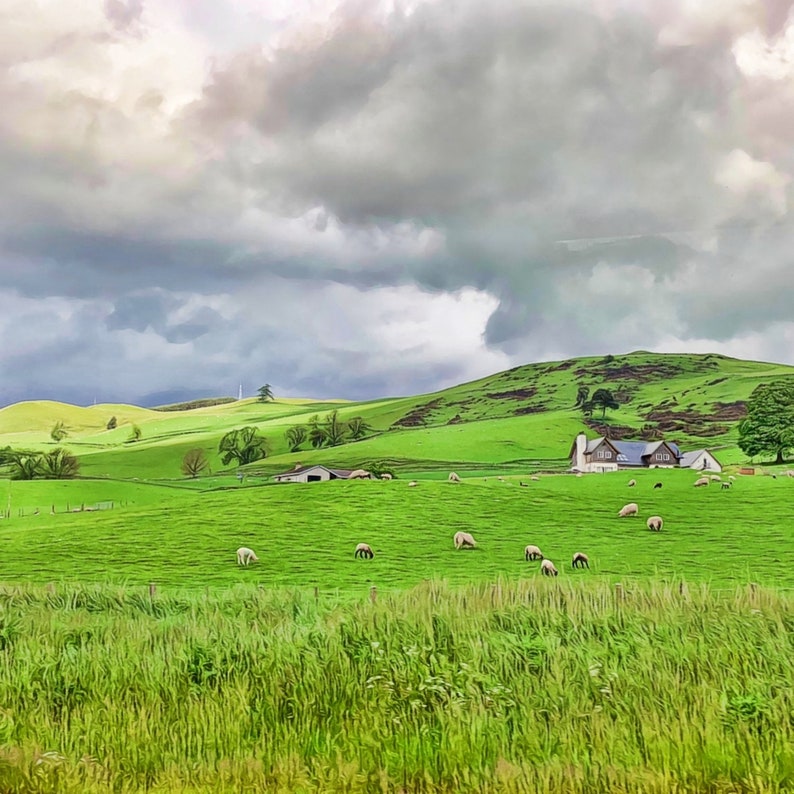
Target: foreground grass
(527, 687)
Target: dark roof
(631, 453)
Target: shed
(316, 473)
(700, 460)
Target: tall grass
(516, 687)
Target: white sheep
(412, 483)
(580, 560)
(726, 486)
(501, 479)
(731, 477)
(790, 473)
(715, 478)
(534, 478)
(453, 477)
(631, 509)
(547, 568)
(386, 476)
(246, 555)
(359, 474)
(702, 481)
(632, 483)
(655, 523)
(464, 539)
(364, 550)
(533, 553)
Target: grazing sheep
(631, 509)
(533, 553)
(385, 476)
(534, 478)
(580, 560)
(715, 478)
(246, 555)
(702, 481)
(523, 484)
(790, 473)
(453, 477)
(412, 483)
(731, 477)
(364, 550)
(359, 474)
(658, 485)
(547, 568)
(655, 523)
(632, 483)
(726, 486)
(464, 539)
(578, 474)
(501, 479)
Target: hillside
(523, 417)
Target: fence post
(316, 593)
(373, 594)
(152, 590)
(619, 594)
(51, 588)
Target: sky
(365, 198)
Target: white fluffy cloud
(356, 198)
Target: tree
(603, 399)
(769, 426)
(244, 445)
(358, 428)
(265, 393)
(295, 437)
(135, 434)
(59, 432)
(194, 462)
(111, 425)
(335, 429)
(25, 464)
(582, 394)
(317, 434)
(58, 464)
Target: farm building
(700, 459)
(604, 454)
(312, 474)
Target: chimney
(581, 446)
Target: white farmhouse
(316, 473)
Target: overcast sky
(359, 199)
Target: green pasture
(305, 535)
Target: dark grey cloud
(611, 174)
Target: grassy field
(305, 534)
(535, 686)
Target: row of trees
(330, 433)
(26, 464)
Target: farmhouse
(604, 454)
(312, 474)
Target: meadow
(136, 655)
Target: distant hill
(518, 419)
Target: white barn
(700, 460)
(316, 473)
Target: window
(604, 453)
(666, 456)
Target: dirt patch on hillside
(417, 417)
(514, 394)
(688, 421)
(729, 412)
(456, 420)
(537, 408)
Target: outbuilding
(700, 460)
(316, 473)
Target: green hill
(523, 417)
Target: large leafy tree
(582, 393)
(335, 429)
(194, 462)
(604, 399)
(244, 445)
(25, 464)
(317, 435)
(769, 426)
(358, 428)
(295, 437)
(58, 464)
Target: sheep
(523, 484)
(655, 523)
(547, 568)
(578, 474)
(412, 483)
(580, 560)
(453, 477)
(632, 483)
(246, 555)
(726, 486)
(501, 479)
(731, 477)
(359, 474)
(790, 473)
(534, 478)
(715, 478)
(533, 553)
(658, 485)
(631, 509)
(464, 539)
(364, 550)
(702, 481)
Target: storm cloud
(319, 196)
